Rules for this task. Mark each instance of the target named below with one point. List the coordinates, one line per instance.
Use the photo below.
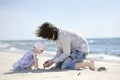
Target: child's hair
(47, 30)
(39, 45)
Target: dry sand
(6, 72)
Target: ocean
(107, 49)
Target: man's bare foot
(91, 65)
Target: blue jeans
(70, 62)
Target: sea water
(100, 49)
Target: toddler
(30, 58)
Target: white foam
(91, 41)
(4, 45)
(104, 57)
(13, 49)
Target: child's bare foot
(91, 65)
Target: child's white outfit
(25, 61)
(28, 58)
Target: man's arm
(65, 44)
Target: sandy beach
(112, 71)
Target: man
(72, 47)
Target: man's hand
(48, 63)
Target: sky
(19, 19)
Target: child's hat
(39, 45)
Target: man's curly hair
(47, 30)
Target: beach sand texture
(112, 71)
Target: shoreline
(8, 58)
(93, 56)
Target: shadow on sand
(35, 71)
